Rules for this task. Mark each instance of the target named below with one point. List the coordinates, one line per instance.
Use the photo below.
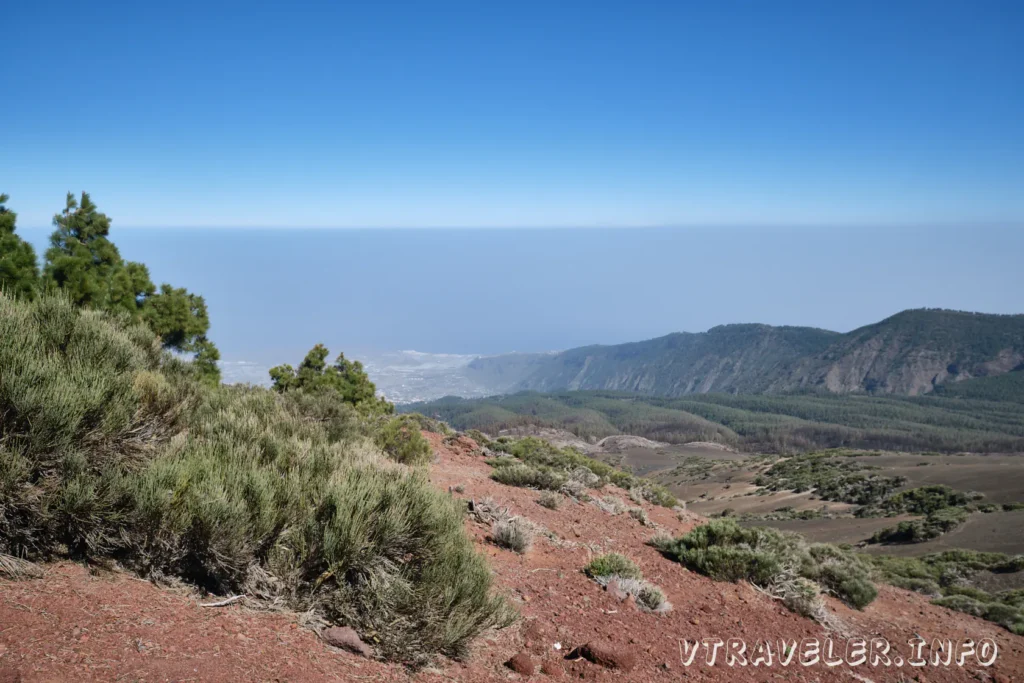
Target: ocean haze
(273, 293)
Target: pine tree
(81, 261)
(347, 378)
(19, 274)
(85, 264)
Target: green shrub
(802, 596)
(961, 603)
(932, 526)
(924, 500)
(923, 586)
(651, 598)
(112, 449)
(726, 551)
(401, 440)
(640, 515)
(524, 476)
(514, 533)
(481, 439)
(842, 573)
(84, 400)
(613, 564)
(568, 462)
(550, 500)
(948, 574)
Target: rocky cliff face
(908, 354)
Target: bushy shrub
(613, 564)
(524, 476)
(481, 439)
(111, 448)
(726, 551)
(924, 500)
(961, 603)
(651, 598)
(550, 500)
(400, 438)
(576, 467)
(948, 575)
(842, 573)
(803, 596)
(514, 533)
(619, 569)
(922, 586)
(932, 526)
(429, 424)
(84, 400)
(640, 515)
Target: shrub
(923, 586)
(550, 500)
(401, 440)
(932, 526)
(84, 400)
(613, 564)
(651, 598)
(661, 541)
(524, 476)
(429, 424)
(579, 468)
(947, 575)
(481, 439)
(514, 533)
(611, 505)
(640, 515)
(803, 596)
(924, 500)
(765, 557)
(111, 448)
(842, 573)
(961, 603)
(617, 568)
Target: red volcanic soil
(74, 625)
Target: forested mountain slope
(909, 353)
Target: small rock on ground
(521, 663)
(346, 638)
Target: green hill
(776, 423)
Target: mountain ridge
(908, 353)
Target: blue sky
(519, 113)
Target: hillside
(909, 354)
(776, 423)
(71, 625)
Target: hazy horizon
(274, 293)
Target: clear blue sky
(516, 113)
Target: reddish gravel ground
(73, 625)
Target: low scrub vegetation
(514, 533)
(613, 564)
(112, 448)
(925, 500)
(932, 526)
(948, 577)
(568, 468)
(401, 439)
(512, 473)
(771, 559)
(767, 423)
(627, 577)
(832, 477)
(550, 500)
